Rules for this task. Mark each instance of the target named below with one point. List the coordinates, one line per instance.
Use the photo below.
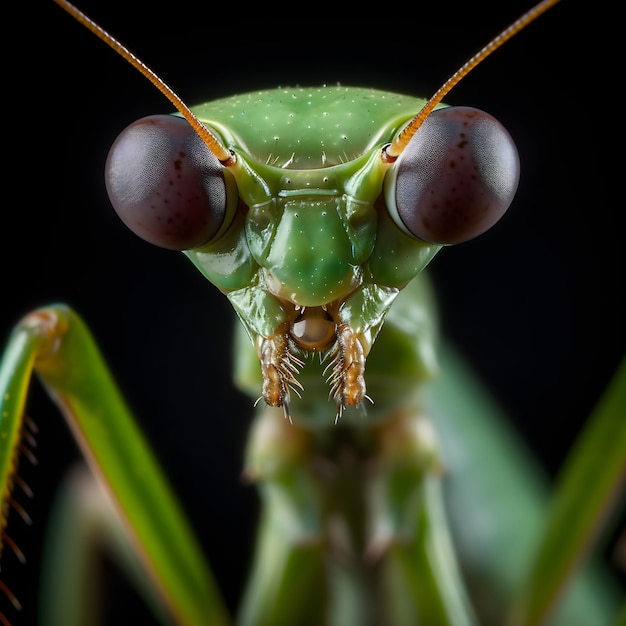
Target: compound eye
(456, 177)
(165, 184)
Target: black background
(537, 303)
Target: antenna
(225, 156)
(395, 149)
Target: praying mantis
(448, 265)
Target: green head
(311, 208)
(310, 228)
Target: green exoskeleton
(388, 495)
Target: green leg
(498, 501)
(286, 585)
(56, 344)
(588, 488)
(423, 578)
(420, 573)
(84, 527)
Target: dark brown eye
(165, 184)
(455, 179)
